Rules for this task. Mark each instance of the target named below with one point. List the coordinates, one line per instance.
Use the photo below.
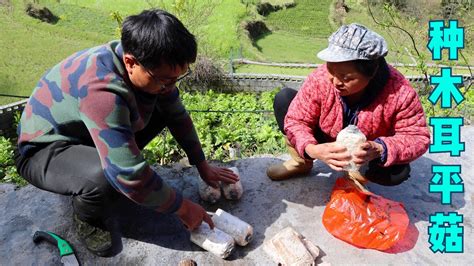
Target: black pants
(75, 170)
(387, 176)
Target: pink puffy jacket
(395, 115)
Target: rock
(6, 188)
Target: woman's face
(347, 80)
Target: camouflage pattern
(85, 100)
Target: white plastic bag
(233, 191)
(351, 137)
(208, 193)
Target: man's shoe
(97, 240)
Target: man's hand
(212, 175)
(192, 215)
(367, 151)
(333, 154)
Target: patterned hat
(352, 42)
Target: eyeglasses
(168, 81)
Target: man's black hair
(155, 37)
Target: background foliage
(225, 121)
(30, 47)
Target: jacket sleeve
(181, 126)
(107, 117)
(303, 115)
(411, 135)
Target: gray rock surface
(149, 238)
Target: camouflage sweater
(85, 100)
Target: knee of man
(101, 184)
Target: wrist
(380, 149)
(182, 209)
(201, 166)
(312, 151)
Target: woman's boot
(294, 167)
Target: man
(89, 117)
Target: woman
(356, 86)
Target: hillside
(295, 32)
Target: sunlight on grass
(285, 47)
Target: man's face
(161, 80)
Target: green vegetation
(33, 46)
(286, 47)
(7, 165)
(298, 33)
(222, 31)
(415, 21)
(215, 22)
(240, 125)
(272, 70)
(307, 18)
(30, 47)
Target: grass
(307, 18)
(273, 70)
(126, 7)
(222, 32)
(219, 32)
(31, 47)
(298, 33)
(286, 47)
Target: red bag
(364, 219)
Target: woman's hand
(192, 215)
(333, 154)
(212, 175)
(367, 152)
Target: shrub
(207, 73)
(8, 171)
(256, 29)
(41, 13)
(224, 121)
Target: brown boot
(293, 167)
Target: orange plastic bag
(364, 219)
